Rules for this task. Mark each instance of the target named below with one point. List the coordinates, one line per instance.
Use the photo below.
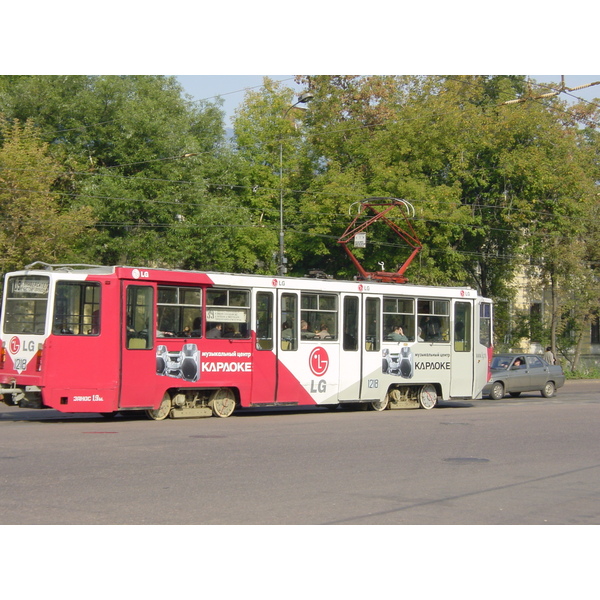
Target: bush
(583, 373)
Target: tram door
(371, 375)
(139, 383)
(484, 348)
(264, 370)
(350, 356)
(462, 350)
(293, 374)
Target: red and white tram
(87, 339)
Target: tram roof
(186, 277)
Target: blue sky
(232, 88)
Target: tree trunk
(555, 315)
(577, 354)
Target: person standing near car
(549, 356)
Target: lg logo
(319, 361)
(14, 345)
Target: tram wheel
(162, 412)
(222, 402)
(428, 396)
(380, 405)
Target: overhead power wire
(244, 90)
(274, 209)
(274, 228)
(553, 93)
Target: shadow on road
(572, 387)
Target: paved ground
(526, 460)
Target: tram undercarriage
(190, 404)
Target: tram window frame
(485, 324)
(438, 311)
(399, 311)
(350, 326)
(139, 318)
(174, 307)
(373, 324)
(319, 309)
(289, 321)
(264, 320)
(26, 304)
(462, 326)
(75, 312)
(222, 304)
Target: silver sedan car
(516, 373)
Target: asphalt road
(528, 460)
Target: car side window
(535, 362)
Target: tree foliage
(33, 223)
(498, 188)
(154, 168)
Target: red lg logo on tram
(319, 361)
(14, 345)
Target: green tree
(154, 166)
(268, 134)
(428, 140)
(33, 225)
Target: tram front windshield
(26, 304)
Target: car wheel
(548, 390)
(497, 392)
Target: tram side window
(372, 325)
(485, 324)
(462, 327)
(139, 318)
(76, 308)
(264, 321)
(26, 304)
(319, 316)
(434, 320)
(179, 312)
(289, 322)
(399, 312)
(350, 323)
(227, 313)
